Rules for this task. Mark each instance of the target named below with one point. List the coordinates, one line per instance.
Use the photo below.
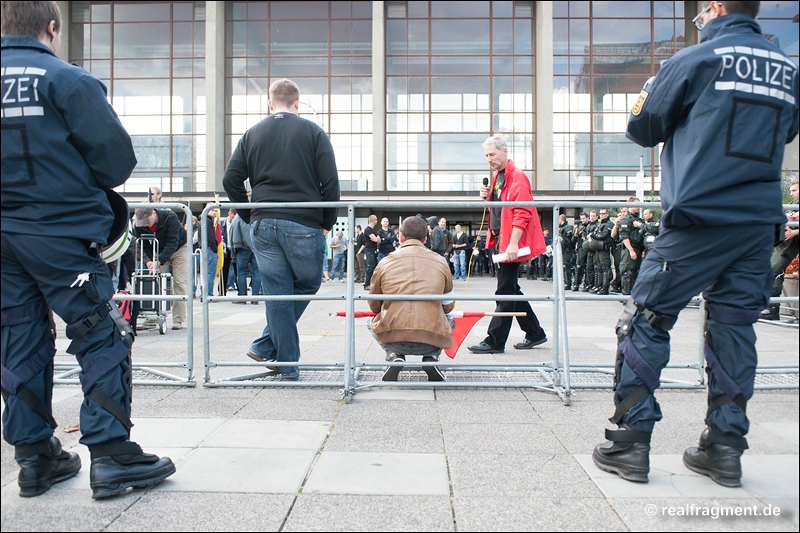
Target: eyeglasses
(698, 22)
(603, 212)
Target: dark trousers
(500, 326)
(370, 261)
(28, 277)
(683, 263)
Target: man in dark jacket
(287, 159)
(62, 145)
(171, 238)
(438, 243)
(724, 128)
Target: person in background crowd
(358, 241)
(782, 255)
(460, 243)
(370, 249)
(339, 247)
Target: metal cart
(152, 313)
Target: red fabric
(218, 233)
(518, 189)
(464, 324)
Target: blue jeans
(338, 264)
(285, 252)
(460, 264)
(245, 257)
(213, 258)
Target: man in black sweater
(287, 159)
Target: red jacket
(518, 189)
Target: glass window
(627, 10)
(142, 40)
(477, 81)
(158, 85)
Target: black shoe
(527, 344)
(241, 302)
(114, 474)
(392, 372)
(773, 312)
(628, 459)
(39, 471)
(721, 463)
(366, 287)
(485, 348)
(434, 374)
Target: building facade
(407, 90)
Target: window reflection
(477, 80)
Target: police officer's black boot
(625, 453)
(42, 464)
(613, 287)
(721, 462)
(606, 281)
(576, 280)
(588, 279)
(120, 464)
(598, 281)
(773, 312)
(626, 283)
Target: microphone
(485, 182)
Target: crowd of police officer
(602, 255)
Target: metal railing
(556, 376)
(152, 372)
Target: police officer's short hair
(29, 19)
(749, 9)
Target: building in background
(407, 90)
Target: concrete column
(543, 139)
(63, 51)
(378, 97)
(215, 96)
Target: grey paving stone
(379, 473)
(197, 511)
(335, 512)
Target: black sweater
(287, 159)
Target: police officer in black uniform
(602, 262)
(580, 234)
(615, 251)
(630, 233)
(566, 237)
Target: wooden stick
(492, 313)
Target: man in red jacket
(510, 229)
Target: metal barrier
(558, 376)
(151, 373)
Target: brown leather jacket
(412, 269)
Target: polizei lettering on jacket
(20, 91)
(756, 71)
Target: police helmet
(119, 238)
